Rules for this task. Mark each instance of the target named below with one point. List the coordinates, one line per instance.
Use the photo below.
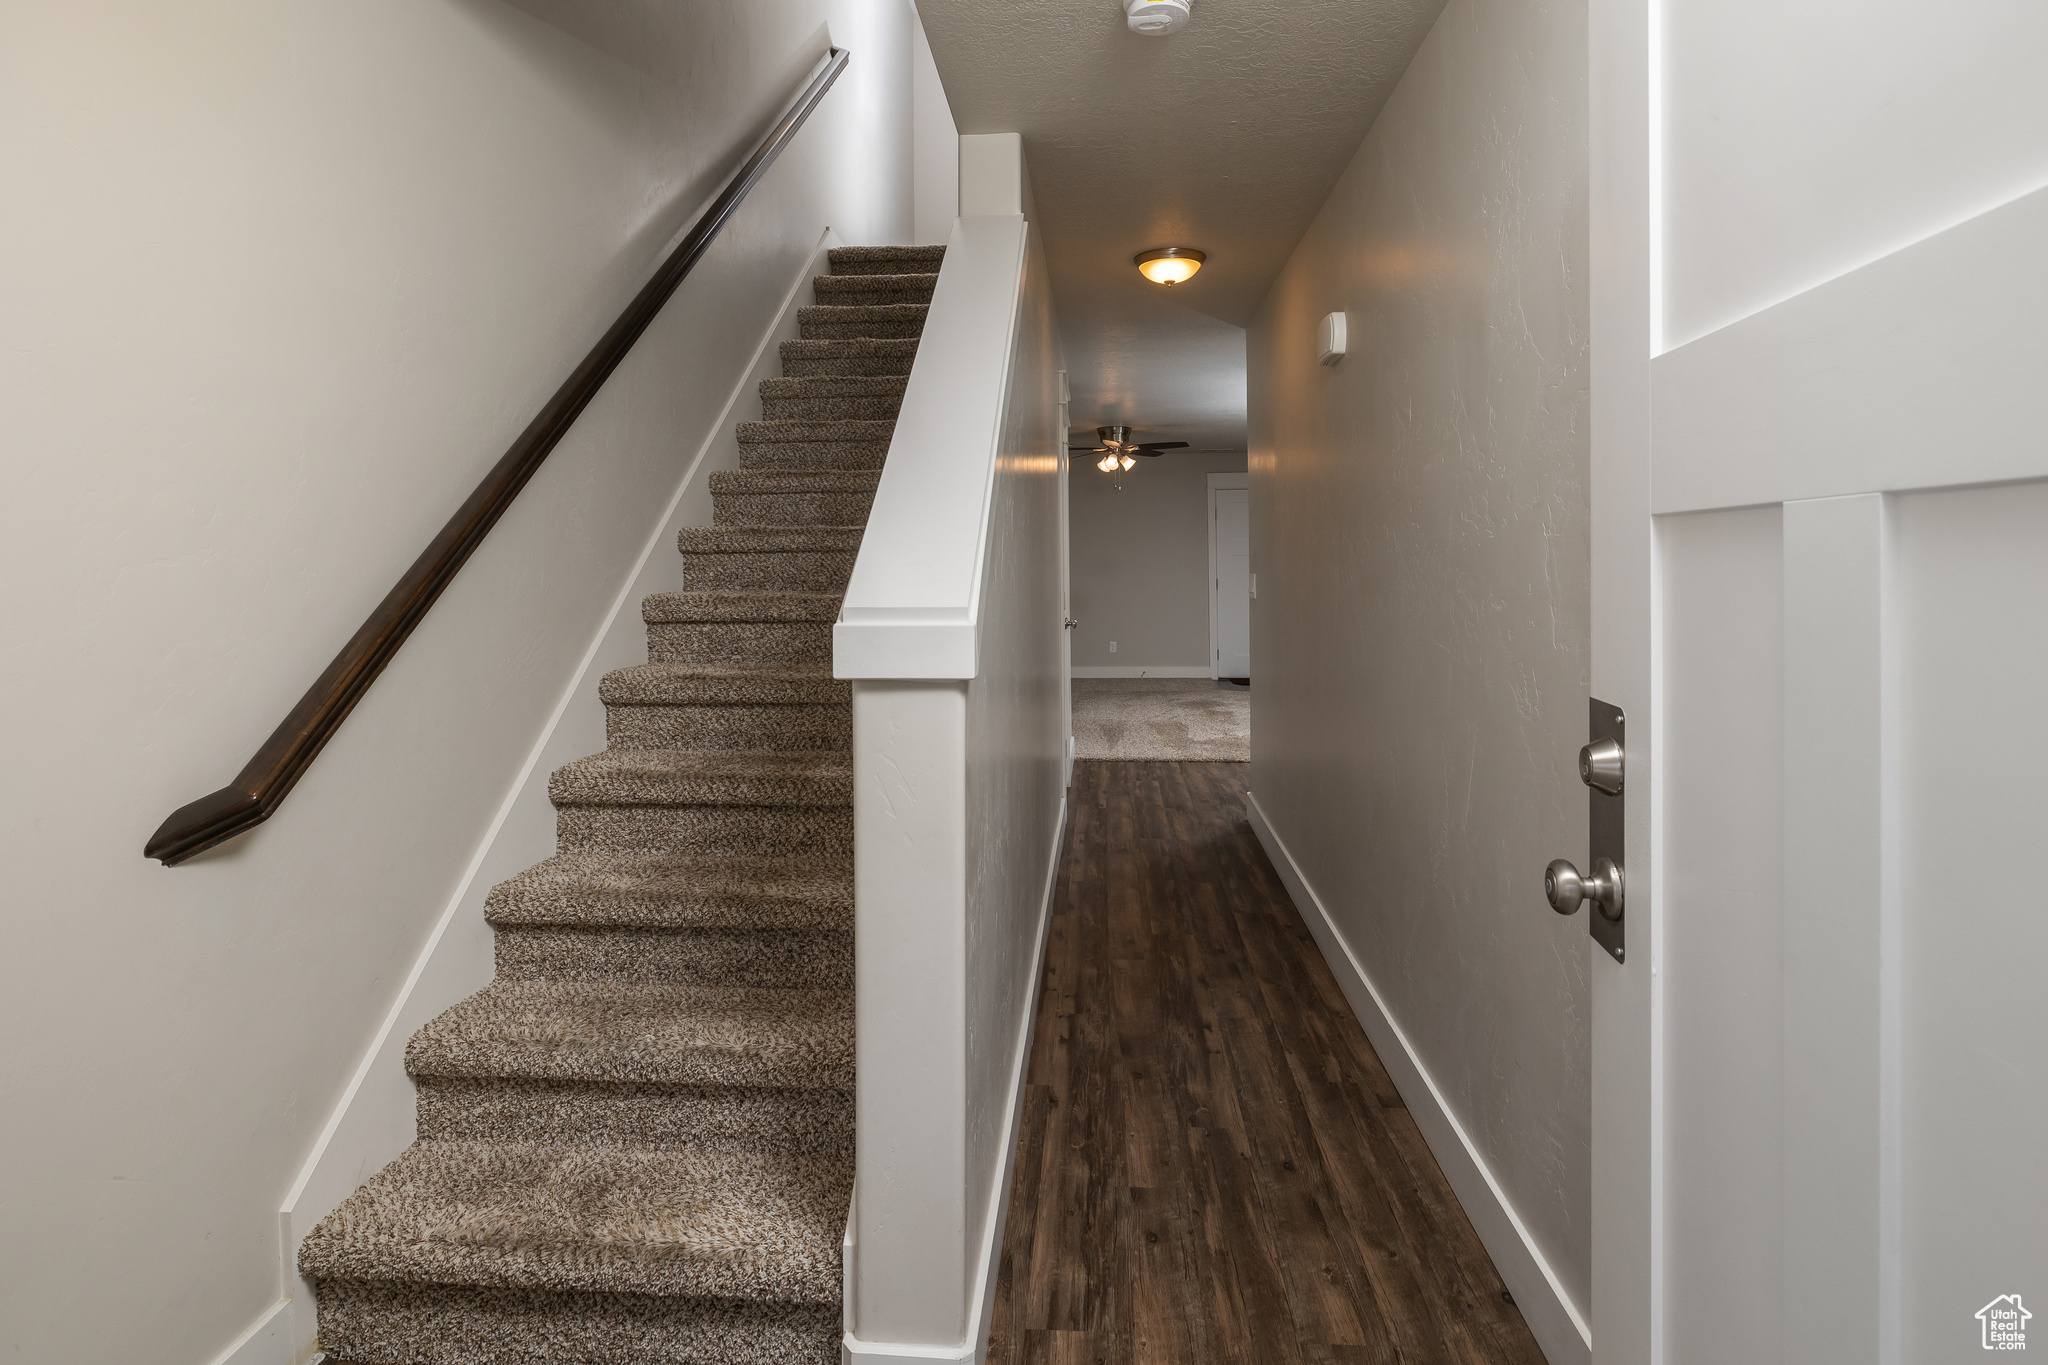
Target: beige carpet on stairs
(1172, 719)
(636, 1145)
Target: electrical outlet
(1112, 646)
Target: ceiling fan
(1117, 448)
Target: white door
(1820, 490)
(1230, 580)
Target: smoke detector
(1157, 18)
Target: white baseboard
(1142, 671)
(376, 1117)
(266, 1341)
(982, 1312)
(1558, 1324)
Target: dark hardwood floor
(1214, 1166)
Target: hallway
(1214, 1166)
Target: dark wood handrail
(262, 785)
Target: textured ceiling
(1226, 136)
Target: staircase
(636, 1145)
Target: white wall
(935, 149)
(281, 284)
(1420, 637)
(951, 631)
(1139, 545)
(1016, 767)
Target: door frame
(1061, 416)
(1624, 322)
(1219, 481)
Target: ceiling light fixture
(1157, 18)
(1169, 265)
(1107, 464)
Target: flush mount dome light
(1170, 264)
(1157, 18)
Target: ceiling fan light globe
(1127, 462)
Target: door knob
(1071, 623)
(1564, 887)
(1600, 766)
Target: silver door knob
(1564, 887)
(1600, 766)
(1071, 623)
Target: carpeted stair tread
(386, 1323)
(733, 540)
(665, 891)
(815, 564)
(663, 608)
(650, 1117)
(848, 356)
(584, 1218)
(783, 481)
(871, 289)
(827, 396)
(835, 385)
(828, 322)
(815, 432)
(768, 960)
(671, 777)
(630, 1034)
(886, 260)
(678, 684)
(870, 455)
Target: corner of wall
(992, 176)
(935, 157)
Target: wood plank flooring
(1214, 1167)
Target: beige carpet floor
(1170, 719)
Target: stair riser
(461, 1109)
(685, 958)
(798, 643)
(376, 1324)
(758, 728)
(876, 329)
(806, 367)
(790, 509)
(867, 290)
(861, 456)
(916, 260)
(836, 408)
(787, 570)
(757, 831)
(736, 912)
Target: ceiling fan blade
(1157, 447)
(1089, 450)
